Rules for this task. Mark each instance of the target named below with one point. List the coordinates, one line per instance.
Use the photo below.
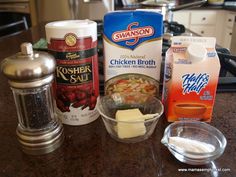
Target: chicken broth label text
(126, 63)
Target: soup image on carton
(190, 79)
(132, 54)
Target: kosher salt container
(73, 43)
(30, 75)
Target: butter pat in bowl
(129, 122)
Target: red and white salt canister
(73, 43)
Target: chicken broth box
(190, 80)
(132, 54)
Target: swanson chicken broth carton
(132, 50)
(190, 80)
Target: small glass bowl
(110, 104)
(199, 131)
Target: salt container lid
(82, 29)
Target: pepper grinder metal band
(30, 76)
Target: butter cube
(130, 130)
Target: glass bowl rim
(216, 152)
(130, 122)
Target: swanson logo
(132, 33)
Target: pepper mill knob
(26, 48)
